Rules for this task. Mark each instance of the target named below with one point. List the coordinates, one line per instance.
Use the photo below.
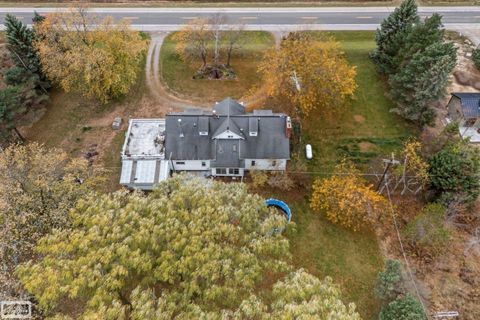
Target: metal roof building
(470, 102)
(143, 154)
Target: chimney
(288, 127)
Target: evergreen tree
(422, 80)
(454, 171)
(10, 109)
(476, 57)
(37, 18)
(405, 308)
(389, 282)
(420, 36)
(16, 100)
(20, 43)
(391, 35)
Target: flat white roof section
(145, 138)
(145, 171)
(144, 174)
(126, 174)
(164, 171)
(143, 154)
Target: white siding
(265, 164)
(190, 165)
(227, 134)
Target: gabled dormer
(228, 130)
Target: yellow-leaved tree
(99, 59)
(346, 198)
(311, 72)
(194, 41)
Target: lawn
(77, 125)
(362, 131)
(178, 75)
(365, 128)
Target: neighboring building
(464, 108)
(226, 141)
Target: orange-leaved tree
(311, 72)
(97, 58)
(346, 198)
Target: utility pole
(389, 163)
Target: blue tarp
(280, 205)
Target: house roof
(470, 102)
(184, 142)
(228, 106)
(228, 125)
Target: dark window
(204, 163)
(221, 171)
(274, 163)
(253, 163)
(179, 162)
(233, 171)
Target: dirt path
(157, 89)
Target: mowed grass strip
(177, 75)
(363, 130)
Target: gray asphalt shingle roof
(184, 142)
(470, 102)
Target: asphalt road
(158, 19)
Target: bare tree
(233, 40)
(193, 41)
(216, 22)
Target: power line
(324, 173)
(392, 210)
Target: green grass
(362, 131)
(351, 259)
(66, 125)
(178, 76)
(365, 128)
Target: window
(253, 163)
(221, 171)
(234, 148)
(179, 162)
(204, 163)
(274, 163)
(233, 171)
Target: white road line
(131, 18)
(309, 18)
(363, 17)
(461, 9)
(189, 18)
(249, 18)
